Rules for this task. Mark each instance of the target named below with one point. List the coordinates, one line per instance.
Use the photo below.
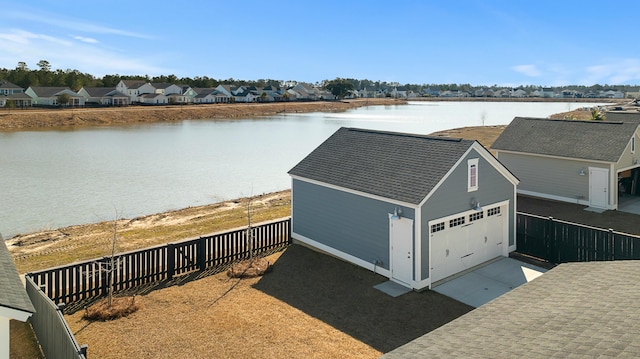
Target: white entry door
(401, 241)
(598, 187)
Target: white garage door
(466, 240)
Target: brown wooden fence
(559, 241)
(79, 281)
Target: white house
(134, 88)
(105, 96)
(48, 96)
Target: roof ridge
(570, 121)
(404, 134)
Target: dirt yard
(310, 306)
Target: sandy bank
(30, 119)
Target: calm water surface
(50, 179)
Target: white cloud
(529, 70)
(614, 72)
(84, 56)
(86, 39)
(74, 24)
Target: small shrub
(249, 268)
(120, 307)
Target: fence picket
(67, 284)
(559, 241)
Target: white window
(472, 174)
(456, 222)
(493, 211)
(476, 216)
(437, 227)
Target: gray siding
(356, 225)
(627, 158)
(553, 176)
(452, 197)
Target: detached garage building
(416, 209)
(593, 163)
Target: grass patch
(22, 342)
(78, 243)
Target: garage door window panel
(437, 227)
(476, 216)
(456, 222)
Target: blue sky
(510, 43)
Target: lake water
(51, 179)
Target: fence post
(83, 350)
(611, 250)
(171, 260)
(551, 241)
(289, 239)
(201, 258)
(104, 275)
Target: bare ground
(81, 242)
(19, 119)
(309, 306)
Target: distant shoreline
(72, 118)
(520, 99)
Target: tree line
(44, 76)
(24, 77)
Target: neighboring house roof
(574, 310)
(623, 116)
(200, 90)
(8, 85)
(152, 95)
(103, 91)
(399, 166)
(50, 91)
(161, 85)
(588, 140)
(12, 292)
(134, 84)
(17, 96)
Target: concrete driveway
(489, 281)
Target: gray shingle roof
(623, 116)
(4, 84)
(103, 92)
(134, 84)
(12, 292)
(51, 91)
(399, 166)
(590, 140)
(574, 310)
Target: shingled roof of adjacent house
(7, 85)
(574, 310)
(590, 140)
(12, 292)
(399, 166)
(626, 116)
(103, 92)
